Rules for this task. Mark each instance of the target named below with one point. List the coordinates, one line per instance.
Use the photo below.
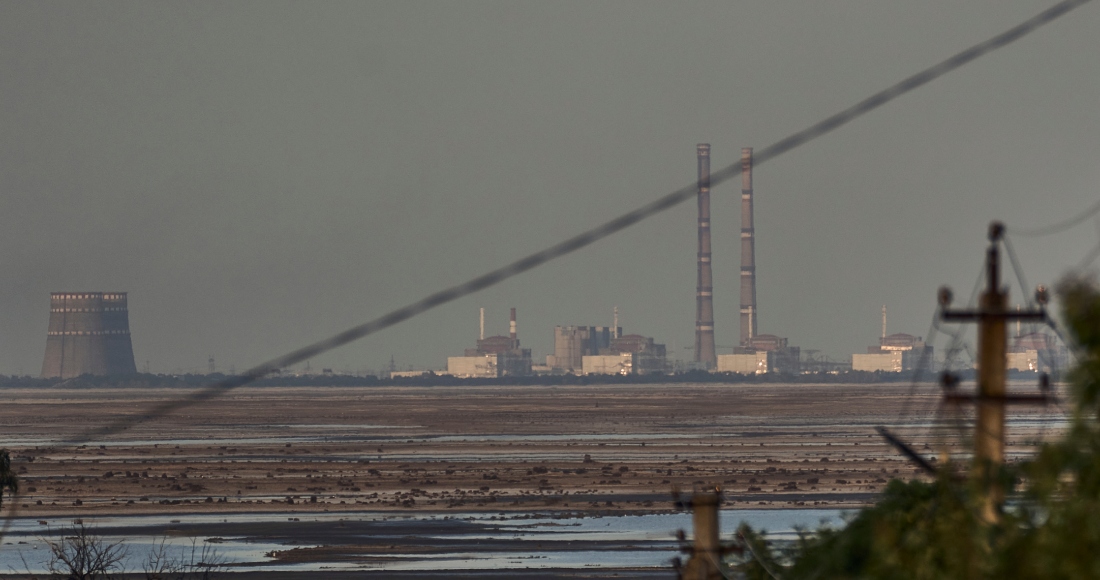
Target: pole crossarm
(991, 396)
(979, 315)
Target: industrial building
(895, 353)
(609, 364)
(601, 350)
(573, 343)
(480, 367)
(764, 353)
(1037, 352)
(751, 363)
(495, 356)
(648, 356)
(89, 333)
(627, 355)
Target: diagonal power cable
(1060, 226)
(591, 236)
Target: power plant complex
(89, 334)
(604, 350)
(755, 353)
(577, 350)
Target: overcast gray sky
(258, 175)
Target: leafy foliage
(8, 479)
(922, 530)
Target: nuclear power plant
(89, 334)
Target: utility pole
(706, 551)
(992, 315)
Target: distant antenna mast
(884, 322)
(1018, 322)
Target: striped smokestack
(704, 297)
(512, 325)
(748, 252)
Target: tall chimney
(482, 335)
(748, 252)
(884, 322)
(704, 297)
(615, 324)
(512, 325)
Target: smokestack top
(746, 168)
(512, 325)
(703, 149)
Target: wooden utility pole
(706, 551)
(991, 316)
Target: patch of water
(24, 549)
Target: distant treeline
(145, 380)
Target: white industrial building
(609, 364)
(479, 367)
(891, 361)
(753, 363)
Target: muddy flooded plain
(473, 462)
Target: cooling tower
(704, 294)
(89, 333)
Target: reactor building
(632, 354)
(895, 353)
(1036, 352)
(573, 343)
(89, 334)
(495, 356)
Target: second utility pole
(991, 316)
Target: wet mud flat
(455, 449)
(449, 454)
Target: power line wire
(1019, 271)
(1059, 227)
(1089, 258)
(593, 235)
